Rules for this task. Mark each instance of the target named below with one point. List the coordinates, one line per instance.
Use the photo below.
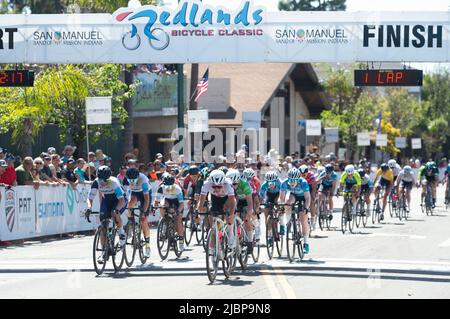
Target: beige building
(283, 93)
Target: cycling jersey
(388, 175)
(142, 184)
(110, 190)
(299, 189)
(170, 192)
(224, 191)
(255, 184)
(409, 178)
(243, 189)
(269, 187)
(310, 178)
(428, 173)
(189, 185)
(355, 179)
(328, 180)
(396, 170)
(366, 181)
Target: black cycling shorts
(141, 200)
(326, 189)
(385, 183)
(108, 205)
(406, 185)
(172, 203)
(218, 204)
(272, 197)
(365, 189)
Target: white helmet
(320, 170)
(294, 173)
(303, 169)
(407, 169)
(249, 173)
(217, 177)
(271, 176)
(392, 163)
(234, 175)
(350, 169)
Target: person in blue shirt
(327, 182)
(295, 189)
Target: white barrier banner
(363, 139)
(198, 33)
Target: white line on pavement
(397, 235)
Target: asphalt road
(389, 260)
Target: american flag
(202, 86)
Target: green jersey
(243, 189)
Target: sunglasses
(132, 180)
(292, 181)
(217, 186)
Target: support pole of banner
(180, 98)
(87, 148)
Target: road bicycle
(377, 211)
(427, 200)
(294, 237)
(447, 199)
(190, 226)
(392, 202)
(273, 237)
(402, 208)
(361, 211)
(324, 214)
(347, 211)
(167, 237)
(217, 248)
(135, 238)
(244, 238)
(106, 244)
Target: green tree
(24, 113)
(312, 5)
(404, 111)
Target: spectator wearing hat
(9, 175)
(108, 161)
(3, 168)
(68, 174)
(51, 151)
(55, 167)
(91, 158)
(67, 153)
(90, 172)
(23, 172)
(2, 154)
(46, 168)
(122, 173)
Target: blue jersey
(269, 187)
(300, 189)
(328, 181)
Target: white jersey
(111, 189)
(408, 178)
(226, 190)
(170, 192)
(142, 184)
(396, 170)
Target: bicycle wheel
(344, 218)
(279, 239)
(176, 248)
(423, 203)
(428, 203)
(205, 229)
(299, 242)
(321, 215)
(162, 239)
(358, 217)
(243, 249)
(351, 223)
(270, 236)
(188, 227)
(229, 257)
(401, 207)
(199, 233)
(118, 256)
(256, 250)
(291, 240)
(391, 204)
(100, 253)
(130, 244)
(140, 240)
(212, 256)
(376, 208)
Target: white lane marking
(445, 243)
(290, 293)
(397, 235)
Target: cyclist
(190, 183)
(327, 182)
(296, 190)
(222, 200)
(113, 201)
(255, 184)
(352, 181)
(243, 192)
(406, 179)
(139, 186)
(430, 172)
(308, 175)
(383, 178)
(203, 177)
(173, 198)
(271, 188)
(366, 188)
(396, 171)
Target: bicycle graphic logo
(157, 37)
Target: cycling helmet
(294, 173)
(350, 169)
(205, 172)
(132, 173)
(249, 173)
(234, 175)
(194, 170)
(168, 179)
(384, 167)
(104, 172)
(224, 169)
(271, 176)
(217, 177)
(407, 169)
(303, 169)
(320, 170)
(392, 163)
(329, 168)
(361, 172)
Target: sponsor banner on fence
(214, 34)
(363, 139)
(27, 213)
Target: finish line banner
(197, 33)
